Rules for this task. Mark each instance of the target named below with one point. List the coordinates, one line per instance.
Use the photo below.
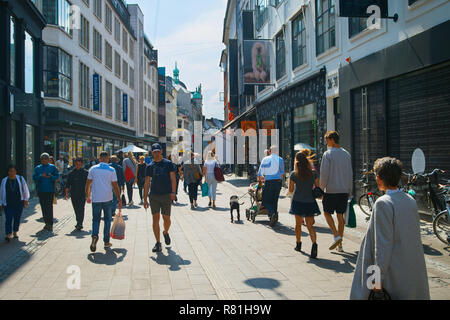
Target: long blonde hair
(131, 156)
(303, 166)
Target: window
(298, 41)
(29, 63)
(261, 13)
(117, 63)
(84, 33)
(118, 104)
(12, 51)
(131, 49)
(117, 30)
(108, 102)
(97, 45)
(84, 86)
(108, 55)
(325, 25)
(180, 124)
(57, 12)
(131, 78)
(108, 18)
(98, 8)
(125, 72)
(356, 26)
(125, 40)
(280, 55)
(57, 69)
(131, 112)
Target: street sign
(359, 8)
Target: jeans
(13, 214)
(107, 217)
(193, 191)
(271, 193)
(212, 186)
(46, 202)
(114, 204)
(78, 203)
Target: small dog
(235, 205)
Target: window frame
(299, 35)
(330, 30)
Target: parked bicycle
(367, 200)
(441, 223)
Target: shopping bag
(350, 216)
(124, 201)
(205, 189)
(129, 175)
(118, 227)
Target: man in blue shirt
(271, 171)
(161, 174)
(45, 176)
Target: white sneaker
(339, 248)
(337, 241)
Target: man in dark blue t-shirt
(160, 179)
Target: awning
(133, 149)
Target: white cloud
(196, 46)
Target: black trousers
(78, 203)
(193, 191)
(46, 202)
(141, 191)
(130, 190)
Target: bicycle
(442, 221)
(367, 200)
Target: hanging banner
(257, 61)
(247, 125)
(268, 125)
(360, 8)
(96, 92)
(125, 108)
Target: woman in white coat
(14, 196)
(392, 252)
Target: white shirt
(60, 165)
(102, 176)
(210, 165)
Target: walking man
(76, 185)
(102, 179)
(120, 180)
(160, 180)
(271, 171)
(45, 176)
(336, 179)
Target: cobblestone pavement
(209, 258)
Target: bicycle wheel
(441, 227)
(364, 205)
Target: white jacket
(24, 192)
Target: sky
(189, 32)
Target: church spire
(176, 74)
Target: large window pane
(305, 128)
(30, 156)
(325, 25)
(29, 63)
(57, 68)
(298, 42)
(281, 56)
(12, 51)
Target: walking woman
(304, 205)
(178, 173)
(192, 174)
(140, 173)
(14, 196)
(129, 164)
(210, 179)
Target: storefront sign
(332, 84)
(257, 61)
(268, 125)
(125, 108)
(360, 8)
(247, 125)
(96, 92)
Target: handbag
(350, 216)
(205, 189)
(317, 193)
(118, 228)
(218, 174)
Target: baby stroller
(256, 208)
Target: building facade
(329, 72)
(21, 105)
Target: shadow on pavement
(220, 209)
(265, 283)
(323, 230)
(431, 251)
(239, 182)
(172, 259)
(43, 235)
(282, 229)
(109, 258)
(78, 234)
(336, 266)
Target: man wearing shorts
(336, 179)
(160, 179)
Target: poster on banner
(269, 126)
(125, 108)
(257, 61)
(247, 125)
(96, 92)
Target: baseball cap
(156, 147)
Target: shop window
(325, 25)
(305, 127)
(84, 147)
(57, 70)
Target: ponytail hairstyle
(303, 166)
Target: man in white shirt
(102, 179)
